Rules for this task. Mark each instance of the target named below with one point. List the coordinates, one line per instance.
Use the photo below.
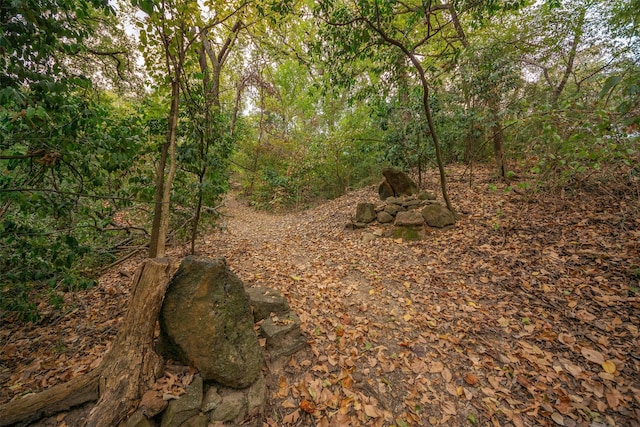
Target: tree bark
(128, 369)
(160, 226)
(497, 134)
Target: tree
(410, 27)
(65, 145)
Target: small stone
(232, 408)
(283, 335)
(198, 421)
(411, 203)
(265, 301)
(393, 209)
(137, 420)
(384, 217)
(384, 190)
(185, 406)
(257, 396)
(365, 212)
(368, 237)
(211, 400)
(393, 201)
(409, 219)
(426, 195)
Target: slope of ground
(524, 313)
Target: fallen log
(128, 369)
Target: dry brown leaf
(307, 406)
(292, 417)
(557, 418)
(614, 397)
(446, 374)
(470, 379)
(436, 367)
(592, 355)
(449, 408)
(373, 411)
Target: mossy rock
(407, 233)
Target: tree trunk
(160, 225)
(497, 135)
(128, 369)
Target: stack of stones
(404, 205)
(409, 211)
(207, 323)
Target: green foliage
(65, 173)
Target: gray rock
(138, 419)
(199, 420)
(206, 322)
(385, 190)
(365, 213)
(393, 209)
(411, 203)
(384, 217)
(185, 406)
(257, 396)
(283, 335)
(265, 301)
(438, 216)
(232, 408)
(409, 219)
(368, 237)
(400, 182)
(426, 195)
(211, 400)
(393, 201)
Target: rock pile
(409, 211)
(404, 205)
(206, 322)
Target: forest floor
(525, 313)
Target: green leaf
(609, 84)
(146, 6)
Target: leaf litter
(524, 313)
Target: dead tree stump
(126, 372)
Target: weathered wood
(51, 401)
(132, 365)
(127, 370)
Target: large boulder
(400, 182)
(438, 216)
(206, 322)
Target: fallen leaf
(471, 379)
(608, 366)
(373, 411)
(307, 406)
(592, 355)
(449, 408)
(557, 418)
(292, 417)
(446, 374)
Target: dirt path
(525, 313)
(514, 317)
